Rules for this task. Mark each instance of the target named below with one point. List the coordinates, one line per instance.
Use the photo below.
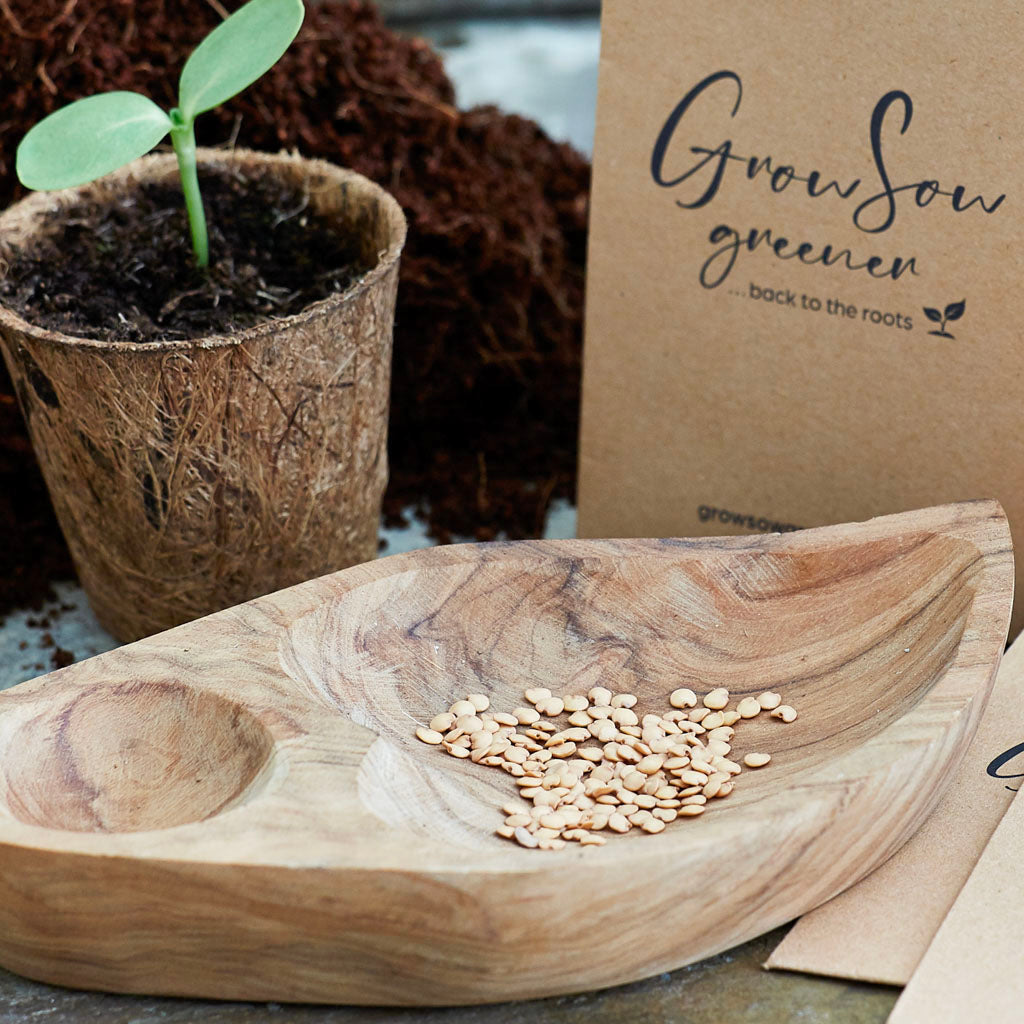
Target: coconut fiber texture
(189, 476)
(485, 393)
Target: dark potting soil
(488, 330)
(125, 271)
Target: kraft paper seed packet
(804, 284)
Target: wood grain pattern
(237, 808)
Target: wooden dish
(237, 808)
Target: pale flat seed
(730, 717)
(749, 707)
(563, 750)
(653, 825)
(537, 694)
(493, 761)
(618, 823)
(470, 723)
(634, 781)
(691, 811)
(551, 844)
(754, 760)
(624, 716)
(726, 789)
(505, 719)
(785, 713)
(552, 707)
(462, 707)
(599, 695)
(575, 702)
(516, 755)
(526, 716)
(664, 814)
(769, 700)
(442, 723)
(631, 730)
(479, 700)
(505, 832)
(581, 719)
(699, 714)
(692, 778)
(431, 736)
(645, 801)
(515, 820)
(714, 784)
(650, 764)
(600, 711)
(623, 700)
(590, 839)
(576, 735)
(458, 751)
(717, 699)
(523, 838)
(553, 821)
(713, 721)
(696, 800)
(682, 698)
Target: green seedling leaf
(236, 53)
(89, 138)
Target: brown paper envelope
(972, 970)
(728, 385)
(879, 929)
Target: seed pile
(609, 769)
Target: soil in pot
(125, 272)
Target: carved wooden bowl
(238, 808)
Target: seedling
(94, 136)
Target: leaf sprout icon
(953, 311)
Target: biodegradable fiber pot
(189, 476)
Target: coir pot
(192, 475)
